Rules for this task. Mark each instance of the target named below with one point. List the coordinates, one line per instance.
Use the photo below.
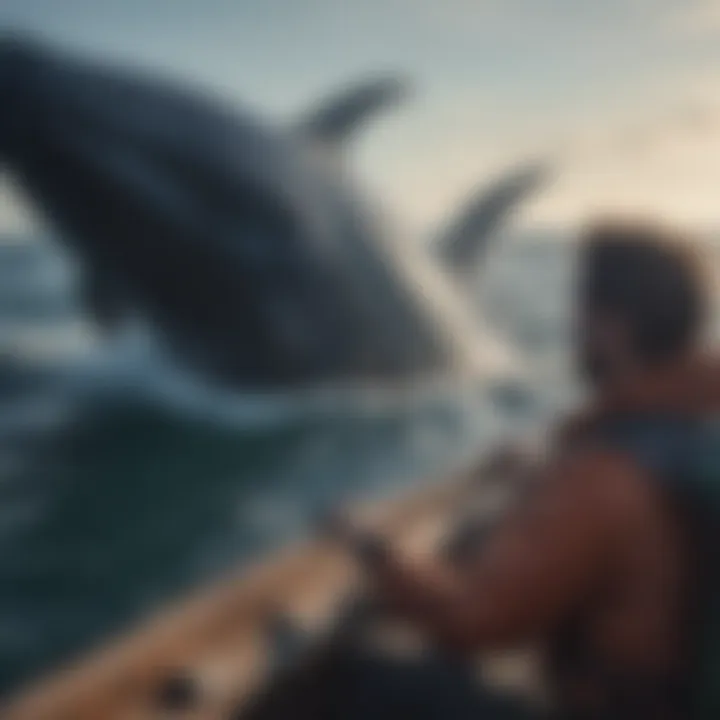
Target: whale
(244, 243)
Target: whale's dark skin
(245, 247)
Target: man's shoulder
(688, 388)
(601, 482)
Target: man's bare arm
(543, 560)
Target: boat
(209, 656)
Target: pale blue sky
(623, 90)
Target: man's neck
(654, 384)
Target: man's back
(625, 642)
(629, 643)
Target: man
(598, 561)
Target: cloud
(695, 18)
(666, 166)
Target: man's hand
(509, 462)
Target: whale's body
(243, 244)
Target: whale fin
(336, 119)
(464, 243)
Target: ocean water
(124, 483)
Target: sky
(623, 96)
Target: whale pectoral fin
(101, 299)
(464, 243)
(337, 118)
